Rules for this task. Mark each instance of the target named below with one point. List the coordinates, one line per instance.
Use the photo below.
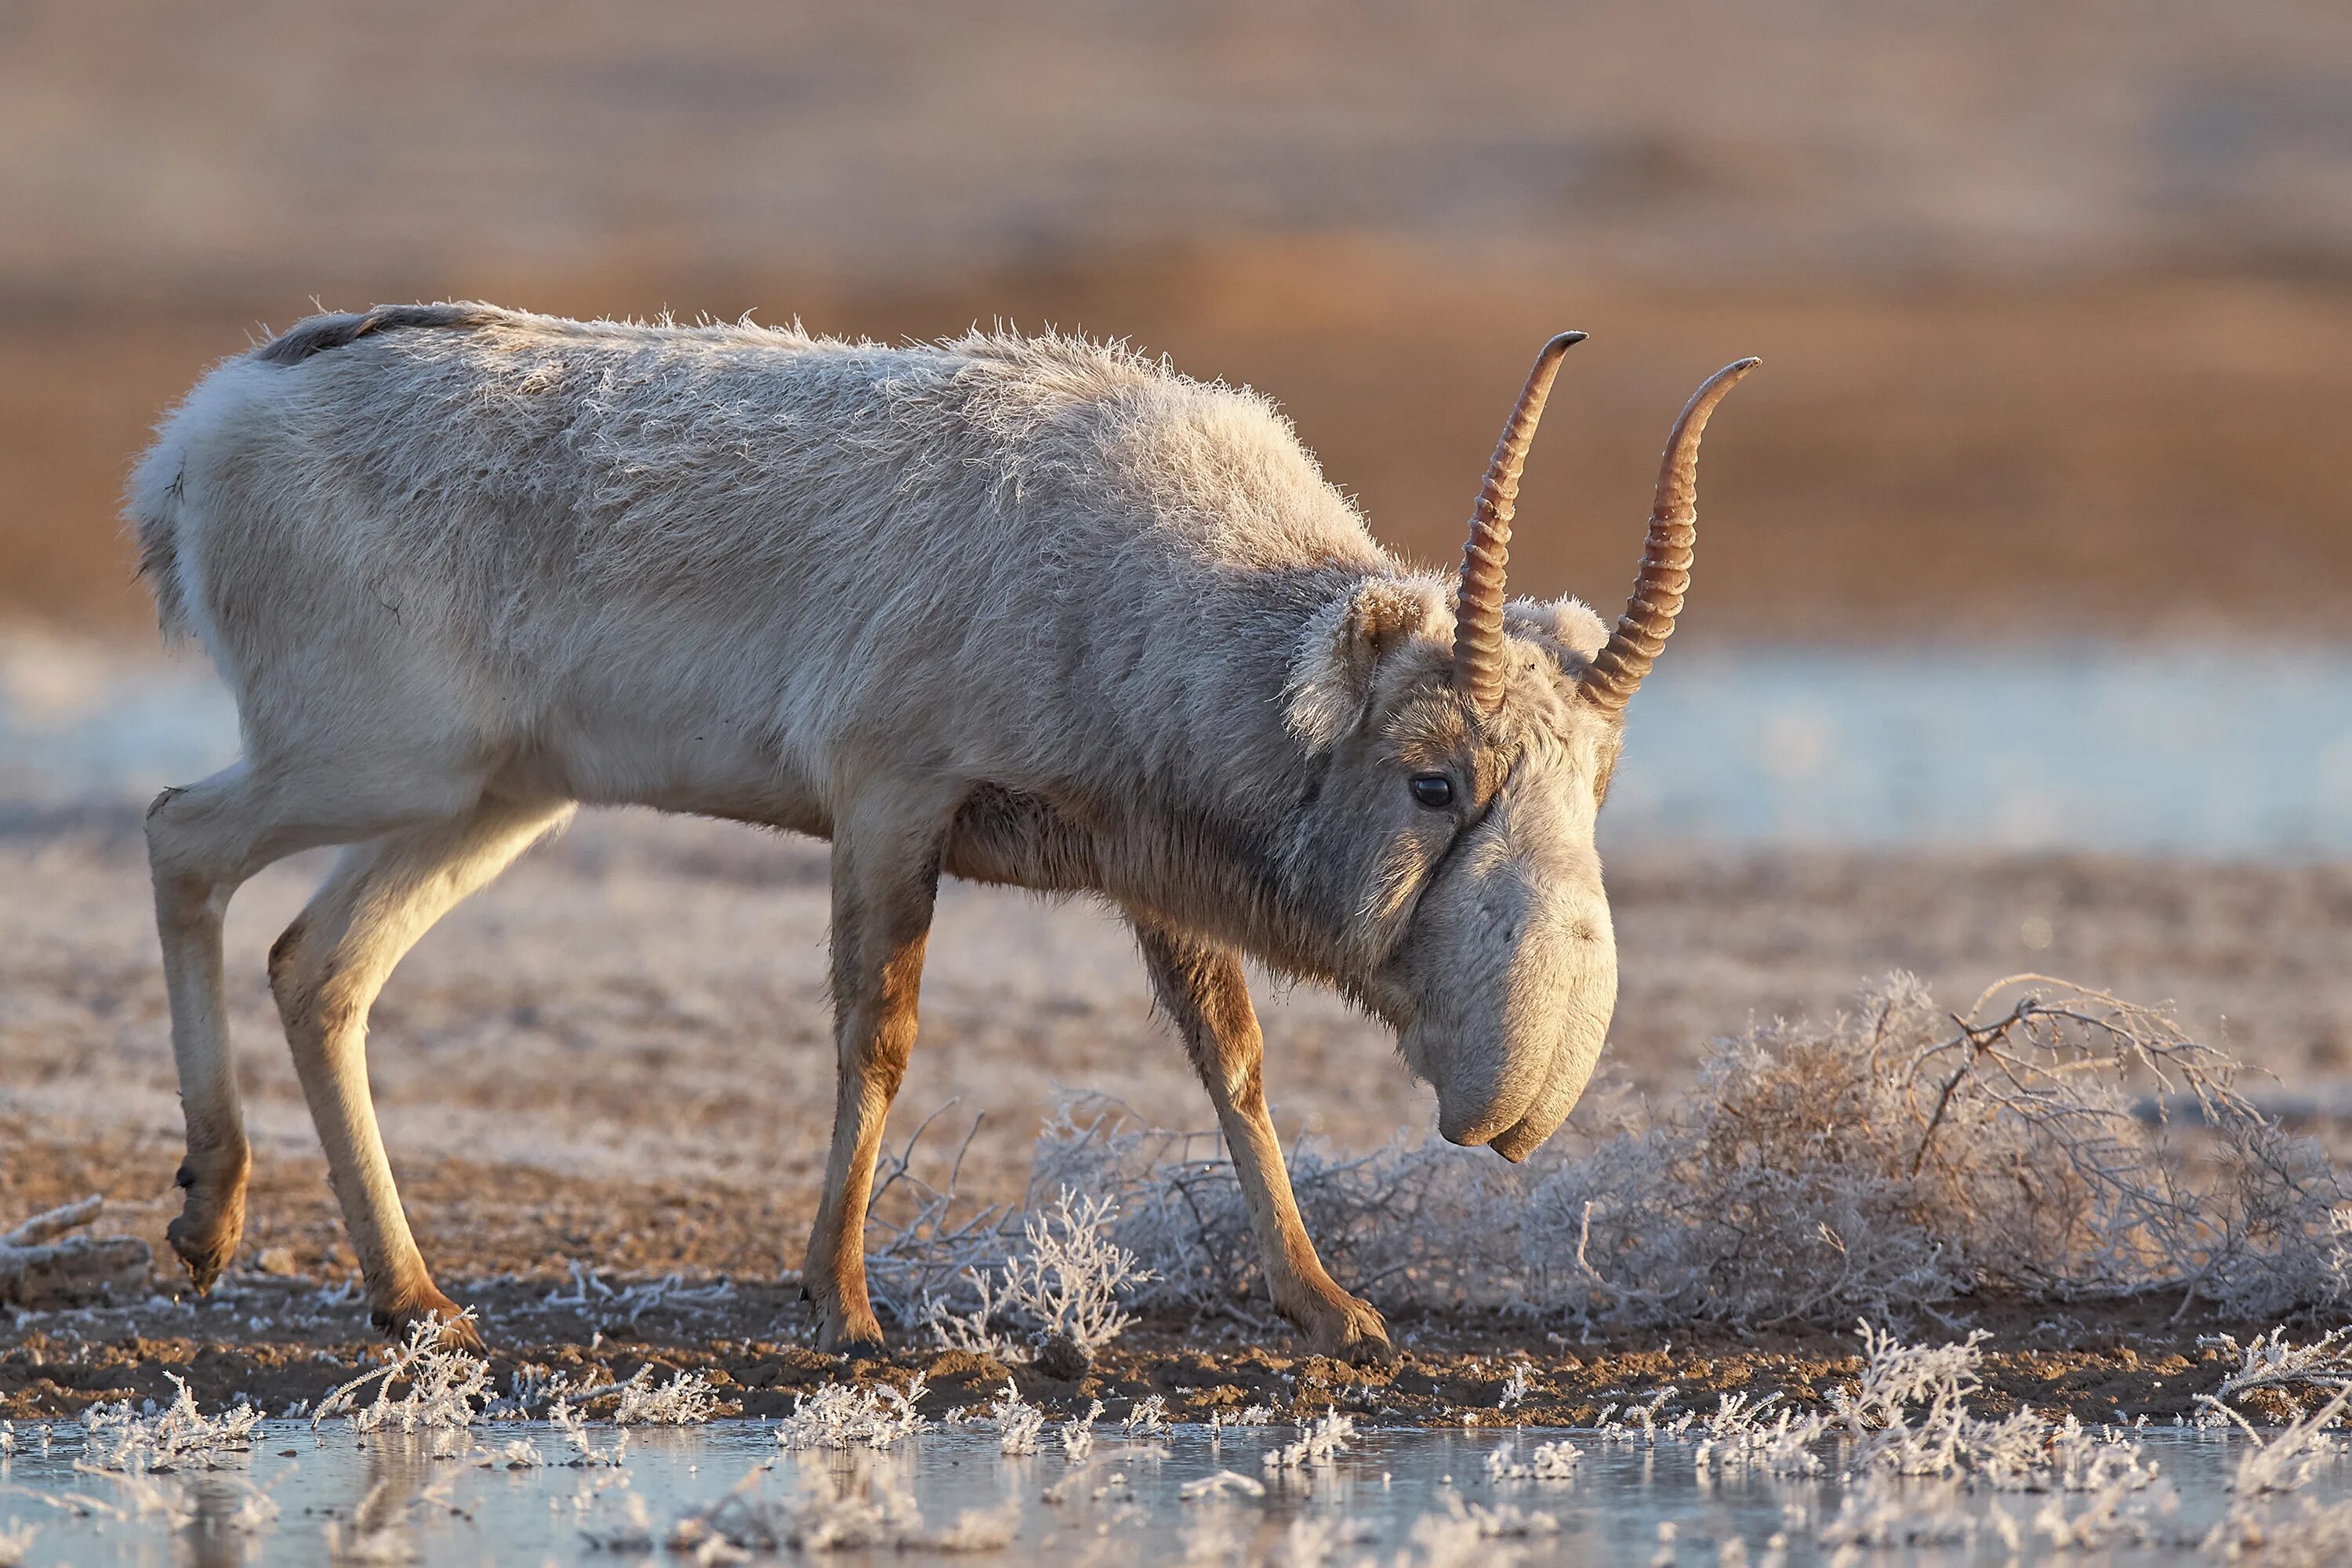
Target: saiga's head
(1465, 750)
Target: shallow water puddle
(1185, 1494)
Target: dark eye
(1435, 790)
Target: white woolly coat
(751, 572)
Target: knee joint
(160, 829)
(310, 1002)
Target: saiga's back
(588, 542)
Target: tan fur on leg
(884, 879)
(1205, 993)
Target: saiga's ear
(1331, 678)
(1567, 629)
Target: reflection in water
(228, 1515)
(1181, 1495)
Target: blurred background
(2054, 298)
(2024, 562)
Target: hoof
(1350, 1329)
(457, 1332)
(211, 1224)
(855, 1334)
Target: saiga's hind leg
(197, 865)
(1206, 994)
(325, 973)
(204, 842)
(885, 875)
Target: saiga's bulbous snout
(1475, 1115)
(1571, 1069)
(1510, 1055)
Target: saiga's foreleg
(885, 873)
(1206, 994)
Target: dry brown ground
(617, 1059)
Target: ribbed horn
(1478, 603)
(1664, 577)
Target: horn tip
(1564, 341)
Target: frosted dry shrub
(971, 1330)
(2050, 1142)
(2312, 1534)
(1019, 1424)
(575, 1428)
(2255, 1527)
(1910, 1418)
(1880, 1512)
(1502, 1521)
(1078, 1434)
(521, 1454)
(1070, 1279)
(1065, 1282)
(180, 1437)
(1747, 1433)
(686, 1400)
(1911, 1451)
(924, 1241)
(1899, 1155)
(1548, 1462)
(1460, 1534)
(2272, 1361)
(2287, 1462)
(447, 1387)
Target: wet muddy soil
(280, 1341)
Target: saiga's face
(1461, 843)
(1449, 834)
